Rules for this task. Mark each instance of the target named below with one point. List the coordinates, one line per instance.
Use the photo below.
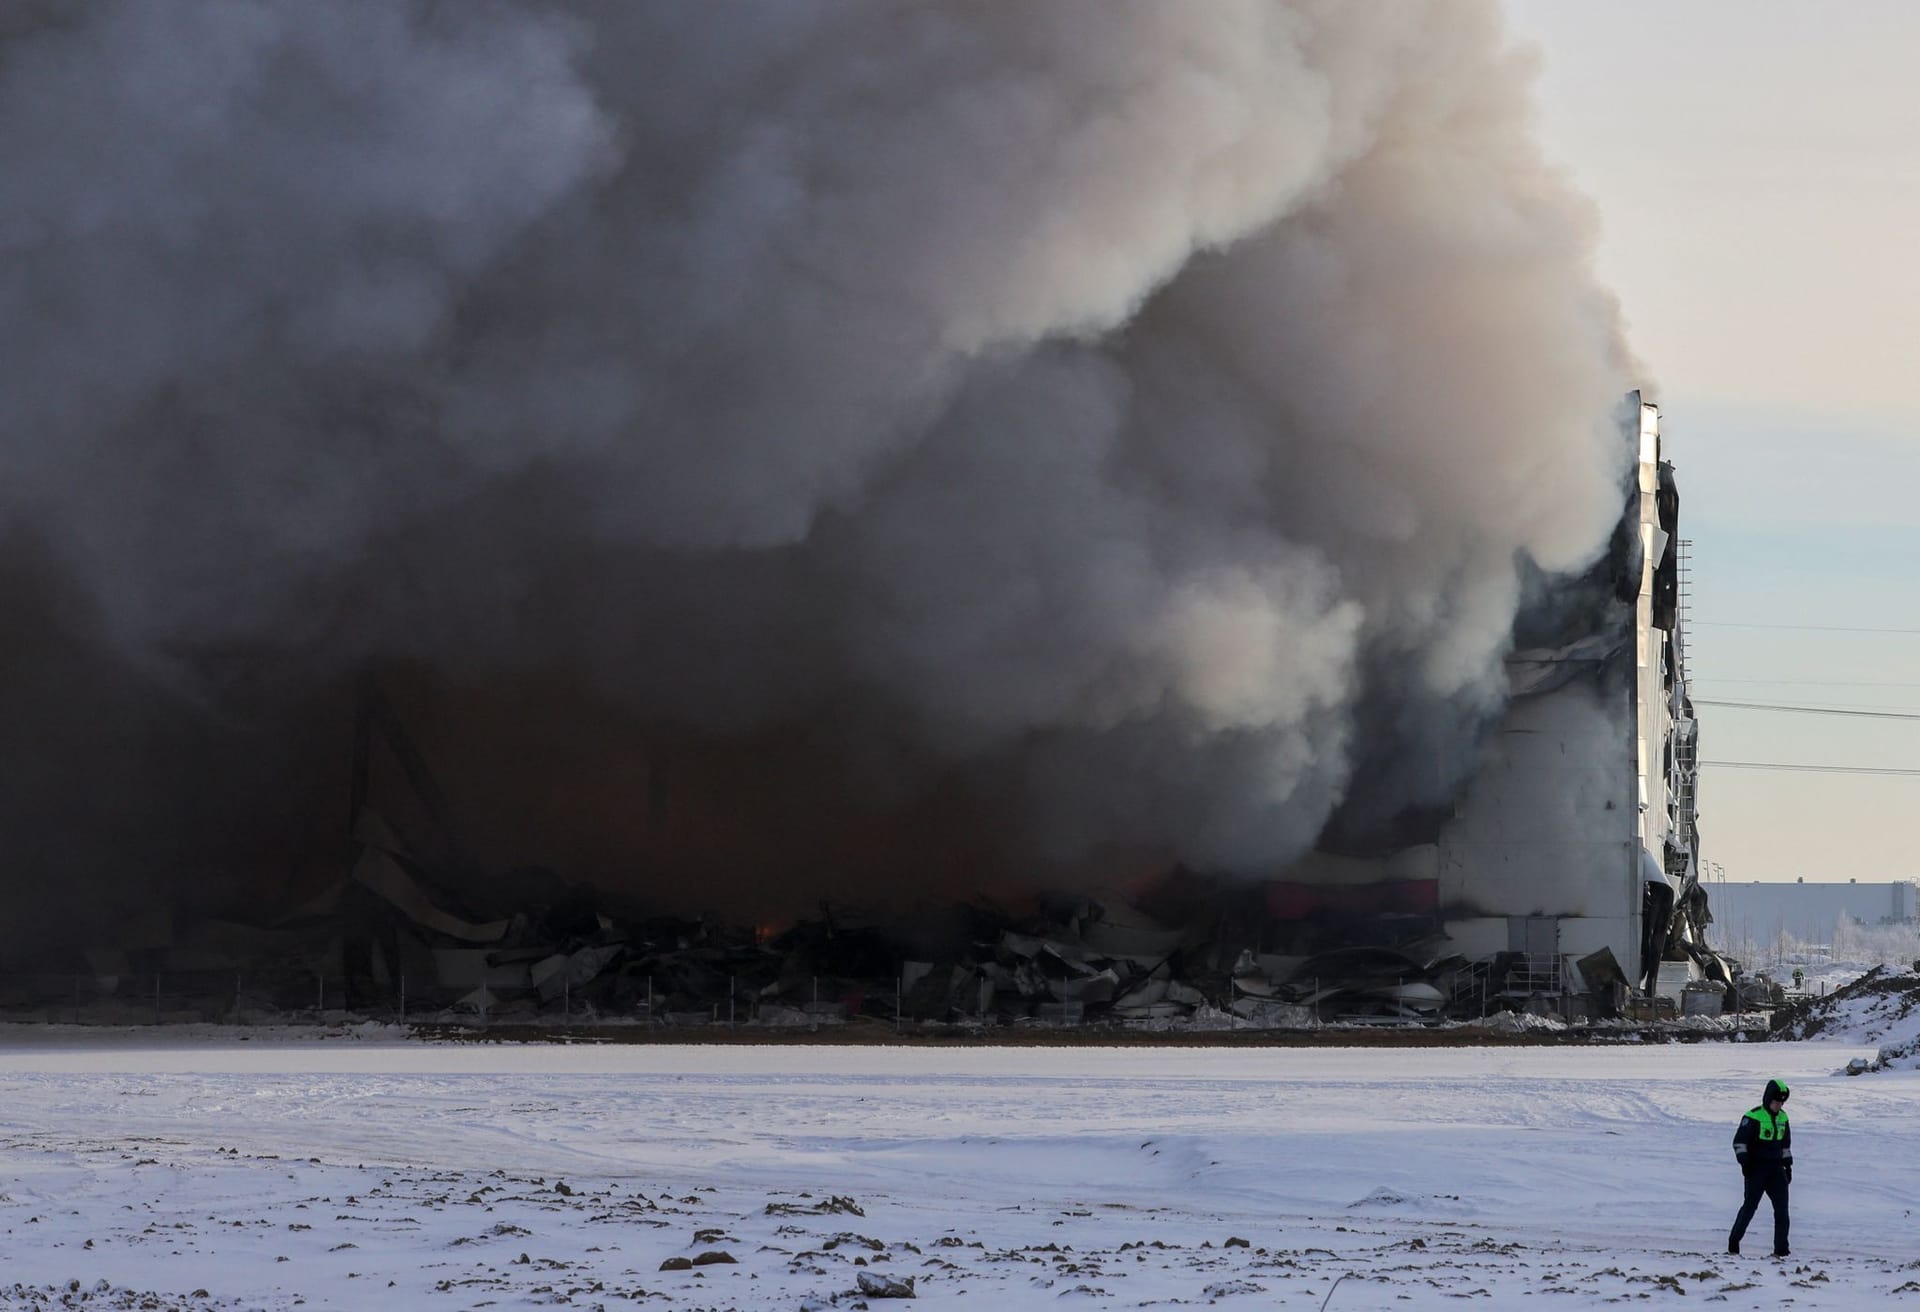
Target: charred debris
(391, 942)
(410, 931)
(413, 930)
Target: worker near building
(1763, 1143)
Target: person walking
(1763, 1144)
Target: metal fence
(295, 998)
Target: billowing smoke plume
(1115, 423)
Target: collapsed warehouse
(486, 533)
(1563, 879)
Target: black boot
(1733, 1249)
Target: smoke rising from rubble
(1122, 416)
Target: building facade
(1574, 839)
(1755, 915)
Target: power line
(1801, 628)
(1805, 683)
(1811, 769)
(1808, 710)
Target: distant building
(1807, 912)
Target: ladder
(1683, 785)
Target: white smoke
(1119, 398)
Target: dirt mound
(1882, 1005)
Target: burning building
(789, 453)
(1572, 850)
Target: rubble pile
(409, 926)
(413, 928)
(397, 939)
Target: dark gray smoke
(1070, 420)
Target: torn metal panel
(1250, 981)
(999, 977)
(379, 871)
(1184, 994)
(1415, 996)
(1072, 957)
(1097, 987)
(1124, 933)
(940, 992)
(556, 974)
(1025, 946)
(1655, 917)
(1149, 992)
(1600, 969)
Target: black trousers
(1773, 1184)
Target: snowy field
(369, 1171)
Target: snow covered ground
(368, 1171)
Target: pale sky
(1756, 167)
